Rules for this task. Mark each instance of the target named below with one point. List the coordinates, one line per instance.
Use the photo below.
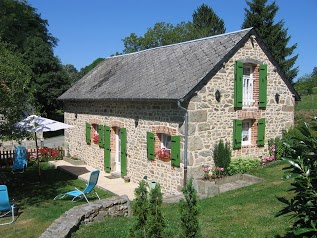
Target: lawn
(35, 200)
(245, 212)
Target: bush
(190, 227)
(222, 155)
(303, 168)
(140, 209)
(240, 165)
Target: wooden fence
(45, 154)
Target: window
(246, 132)
(248, 86)
(166, 142)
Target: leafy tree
(140, 208)
(156, 221)
(261, 16)
(15, 92)
(306, 83)
(189, 212)
(85, 70)
(222, 155)
(72, 72)
(26, 31)
(207, 23)
(303, 168)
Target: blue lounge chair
(20, 163)
(5, 206)
(93, 179)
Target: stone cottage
(159, 112)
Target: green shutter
(123, 139)
(263, 86)
(261, 131)
(150, 145)
(175, 151)
(107, 154)
(100, 133)
(238, 84)
(88, 139)
(237, 134)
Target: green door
(107, 154)
(123, 151)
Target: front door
(118, 151)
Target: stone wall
(69, 222)
(209, 121)
(138, 118)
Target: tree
(189, 212)
(205, 23)
(302, 202)
(15, 92)
(85, 70)
(156, 221)
(26, 31)
(71, 72)
(260, 15)
(140, 210)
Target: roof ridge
(181, 43)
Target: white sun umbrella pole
(35, 124)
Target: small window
(94, 133)
(246, 132)
(166, 141)
(248, 86)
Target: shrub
(156, 221)
(222, 155)
(303, 168)
(189, 212)
(140, 210)
(240, 165)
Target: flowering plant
(163, 154)
(95, 138)
(219, 171)
(206, 170)
(271, 156)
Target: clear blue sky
(93, 29)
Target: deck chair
(93, 179)
(5, 206)
(20, 162)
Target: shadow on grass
(26, 188)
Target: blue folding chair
(93, 179)
(20, 163)
(5, 206)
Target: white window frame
(166, 141)
(248, 87)
(247, 132)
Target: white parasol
(35, 124)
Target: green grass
(306, 109)
(245, 212)
(307, 102)
(35, 200)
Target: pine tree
(207, 23)
(156, 221)
(189, 212)
(140, 210)
(260, 15)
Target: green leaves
(303, 171)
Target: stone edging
(69, 222)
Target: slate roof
(170, 72)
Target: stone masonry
(209, 121)
(69, 222)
